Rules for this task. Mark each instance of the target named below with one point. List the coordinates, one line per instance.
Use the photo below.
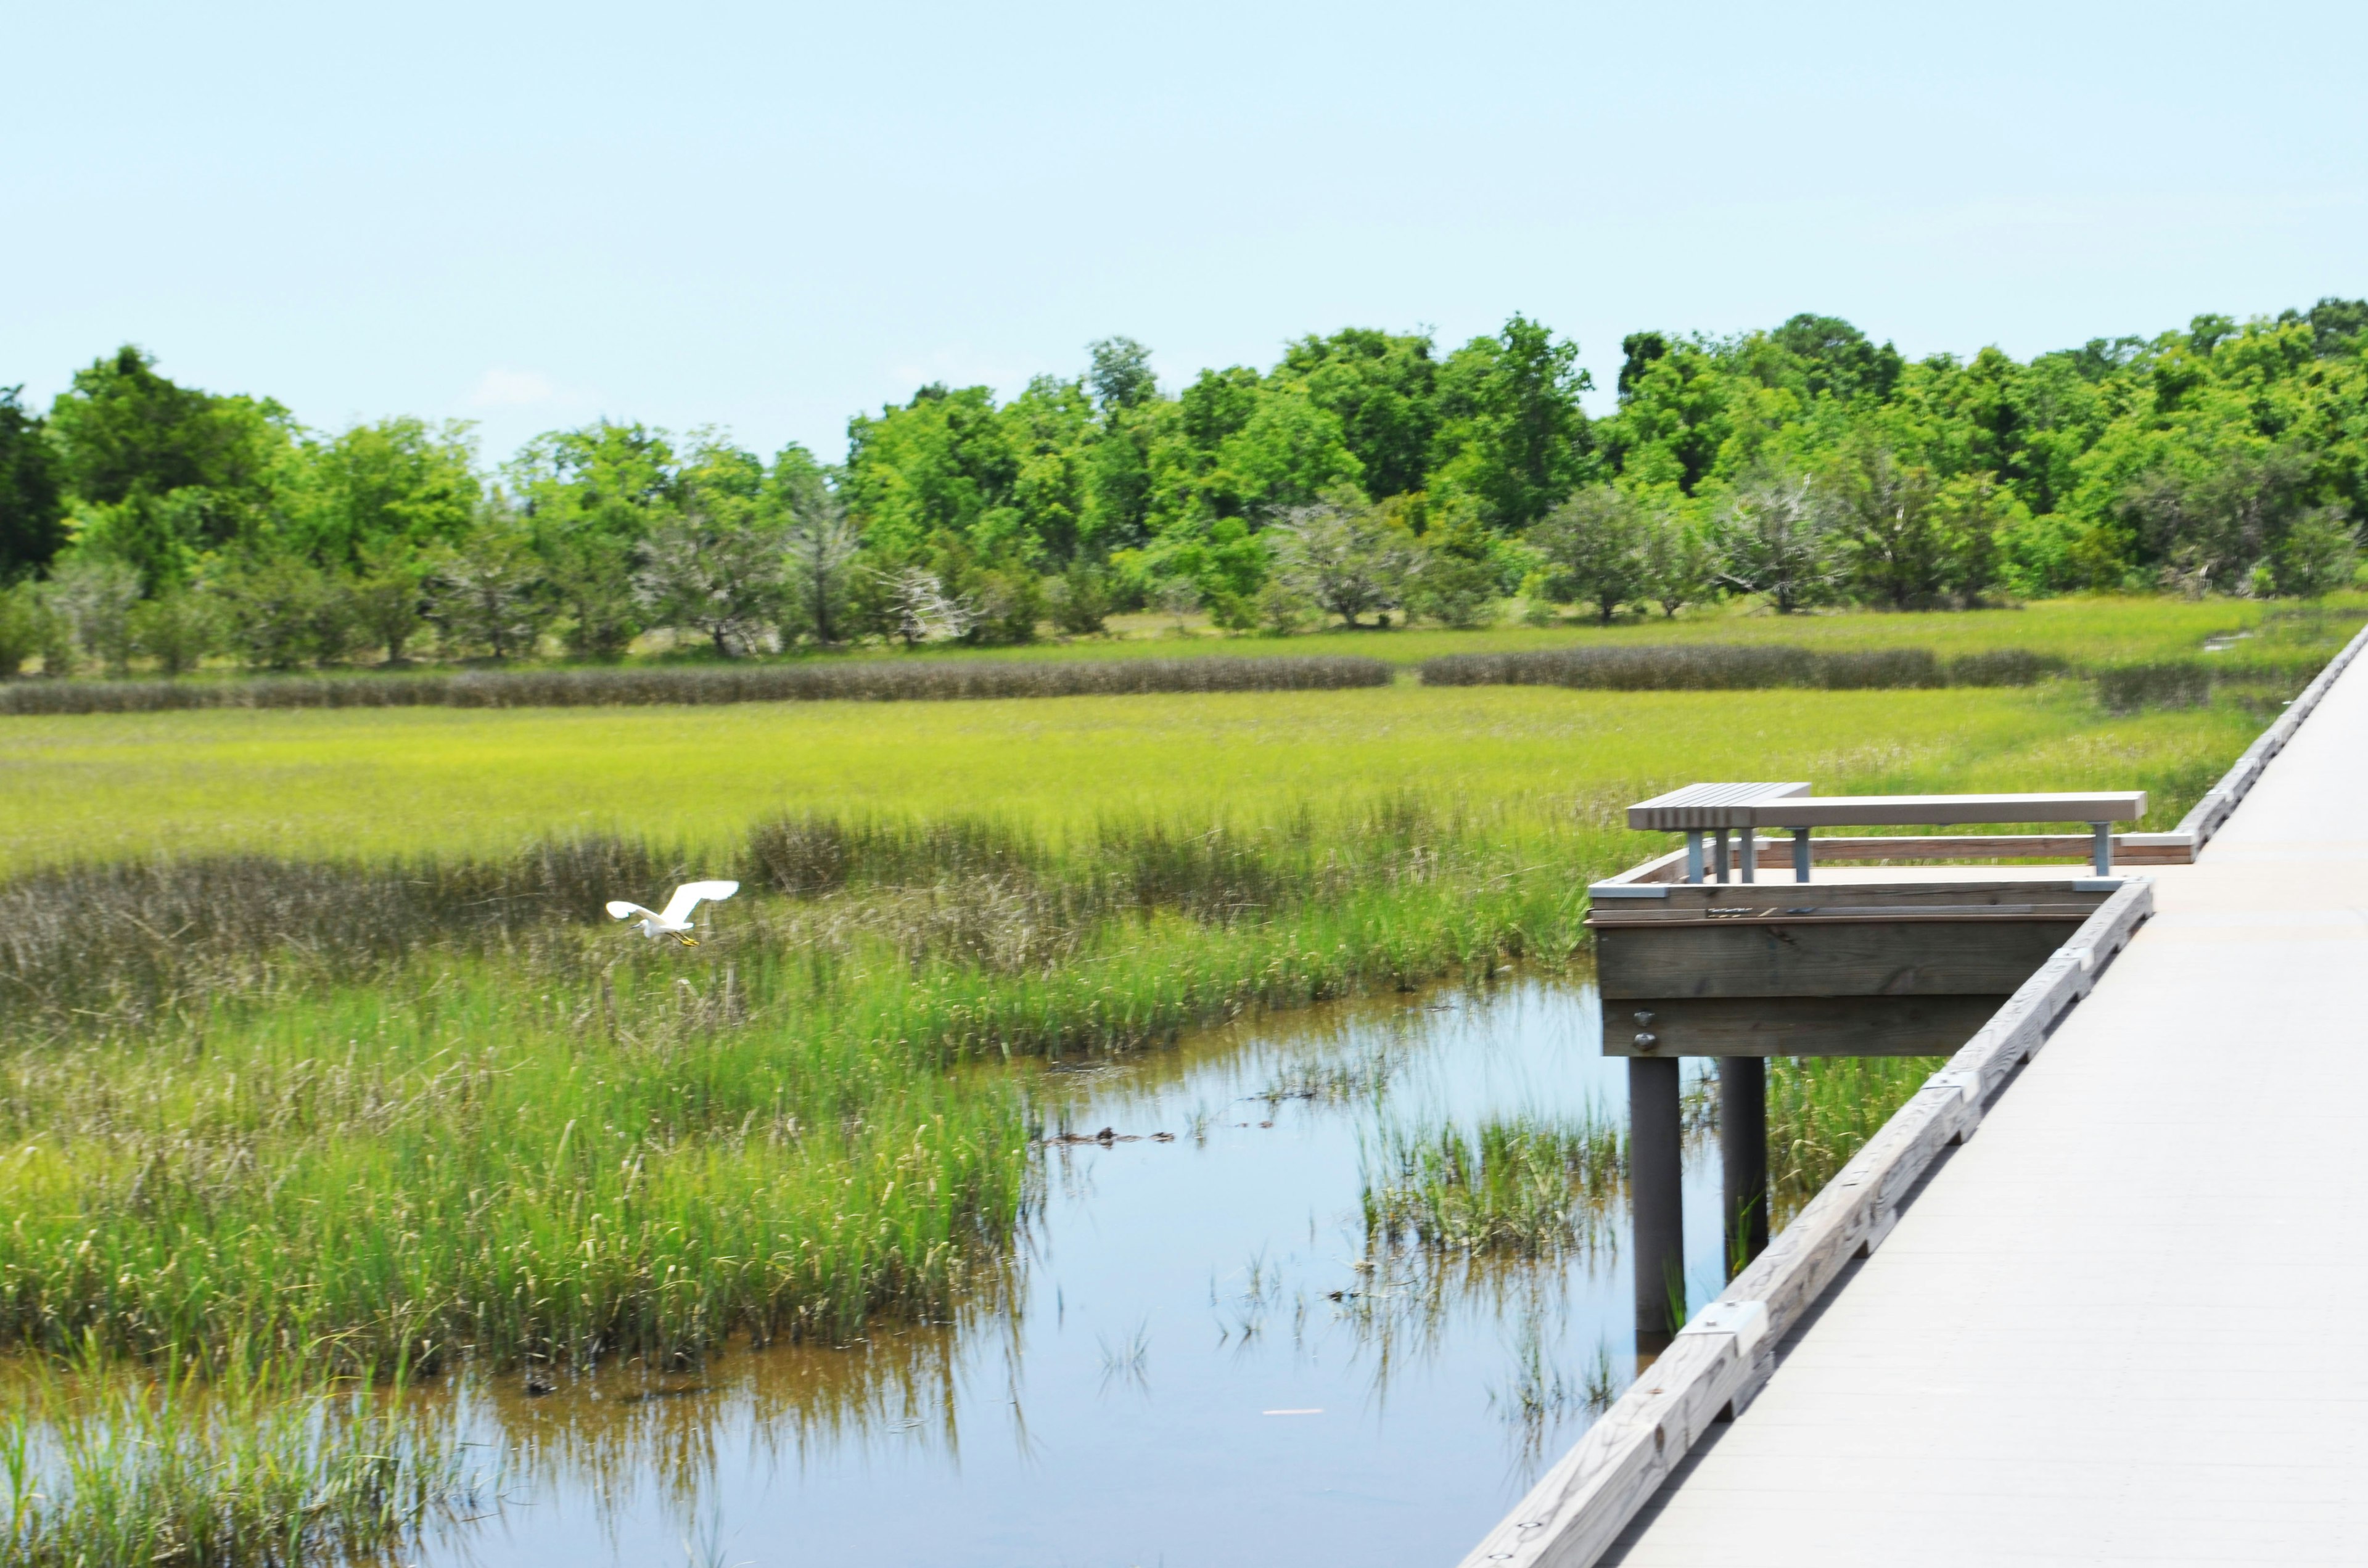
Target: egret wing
(619, 909)
(689, 897)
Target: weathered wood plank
(2041, 886)
(1833, 958)
(1794, 1025)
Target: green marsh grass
(539, 1137)
(1522, 1184)
(395, 784)
(108, 1467)
(1821, 1111)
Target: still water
(1185, 1366)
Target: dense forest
(1365, 475)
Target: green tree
(1383, 391)
(32, 498)
(163, 473)
(177, 627)
(1340, 553)
(1885, 519)
(488, 595)
(284, 611)
(1287, 453)
(943, 462)
(1511, 434)
(26, 628)
(2210, 521)
(387, 595)
(1595, 542)
(716, 572)
(1454, 577)
(94, 596)
(399, 480)
(1122, 377)
(1677, 564)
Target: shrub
(176, 629)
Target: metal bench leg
(1722, 873)
(1800, 854)
(2104, 832)
(1749, 842)
(1693, 858)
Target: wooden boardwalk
(2127, 1322)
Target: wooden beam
(1835, 957)
(1792, 1025)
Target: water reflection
(1192, 1358)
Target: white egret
(675, 921)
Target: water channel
(1192, 1362)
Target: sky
(771, 217)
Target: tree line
(1366, 474)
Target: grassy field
(380, 783)
(314, 1051)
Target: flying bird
(675, 920)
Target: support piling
(1655, 1196)
(1742, 1155)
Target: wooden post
(1800, 854)
(1722, 855)
(1693, 857)
(1743, 1156)
(1655, 1196)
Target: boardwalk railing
(1719, 1360)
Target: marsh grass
(110, 1467)
(1526, 1185)
(1740, 666)
(885, 680)
(1821, 1111)
(483, 1127)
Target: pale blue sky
(770, 217)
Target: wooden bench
(1717, 809)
